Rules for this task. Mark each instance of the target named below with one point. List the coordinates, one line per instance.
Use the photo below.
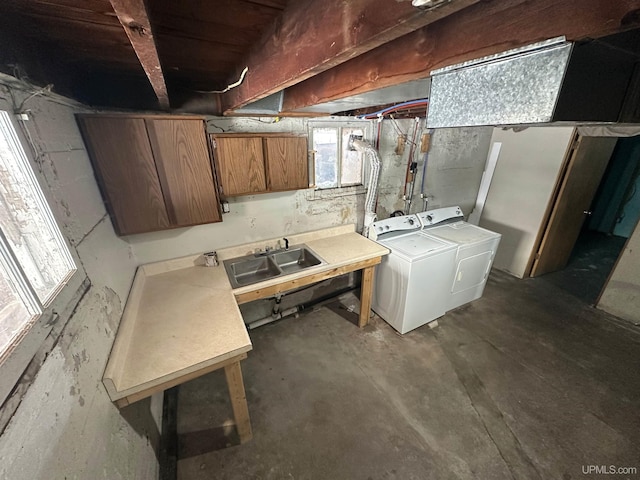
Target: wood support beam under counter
(299, 45)
(367, 267)
(482, 29)
(135, 20)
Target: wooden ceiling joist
(135, 20)
(485, 28)
(313, 36)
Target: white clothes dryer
(474, 257)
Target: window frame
(339, 125)
(55, 309)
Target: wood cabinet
(154, 172)
(260, 163)
(286, 162)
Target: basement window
(335, 165)
(35, 262)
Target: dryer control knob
(429, 218)
(411, 221)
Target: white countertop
(182, 317)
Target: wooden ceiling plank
(63, 15)
(225, 35)
(314, 36)
(279, 4)
(484, 29)
(135, 21)
(186, 51)
(231, 13)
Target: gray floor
(527, 382)
(592, 259)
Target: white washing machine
(412, 283)
(474, 257)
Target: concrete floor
(592, 259)
(526, 383)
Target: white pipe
(274, 317)
(372, 187)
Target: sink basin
(295, 259)
(252, 269)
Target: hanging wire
(394, 108)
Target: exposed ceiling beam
(134, 18)
(312, 36)
(483, 29)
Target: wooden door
(125, 169)
(587, 163)
(286, 162)
(184, 167)
(240, 165)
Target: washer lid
(414, 245)
(462, 232)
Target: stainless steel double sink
(259, 267)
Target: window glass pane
(325, 145)
(13, 312)
(26, 219)
(351, 171)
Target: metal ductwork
(551, 81)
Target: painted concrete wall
(454, 171)
(253, 217)
(455, 163)
(60, 423)
(621, 296)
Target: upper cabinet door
(184, 168)
(286, 163)
(240, 165)
(126, 171)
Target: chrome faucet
(263, 253)
(268, 249)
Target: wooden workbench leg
(365, 295)
(233, 372)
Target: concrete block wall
(455, 163)
(454, 171)
(59, 421)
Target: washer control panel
(431, 217)
(394, 224)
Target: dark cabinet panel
(155, 172)
(240, 165)
(260, 162)
(286, 163)
(126, 172)
(184, 168)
